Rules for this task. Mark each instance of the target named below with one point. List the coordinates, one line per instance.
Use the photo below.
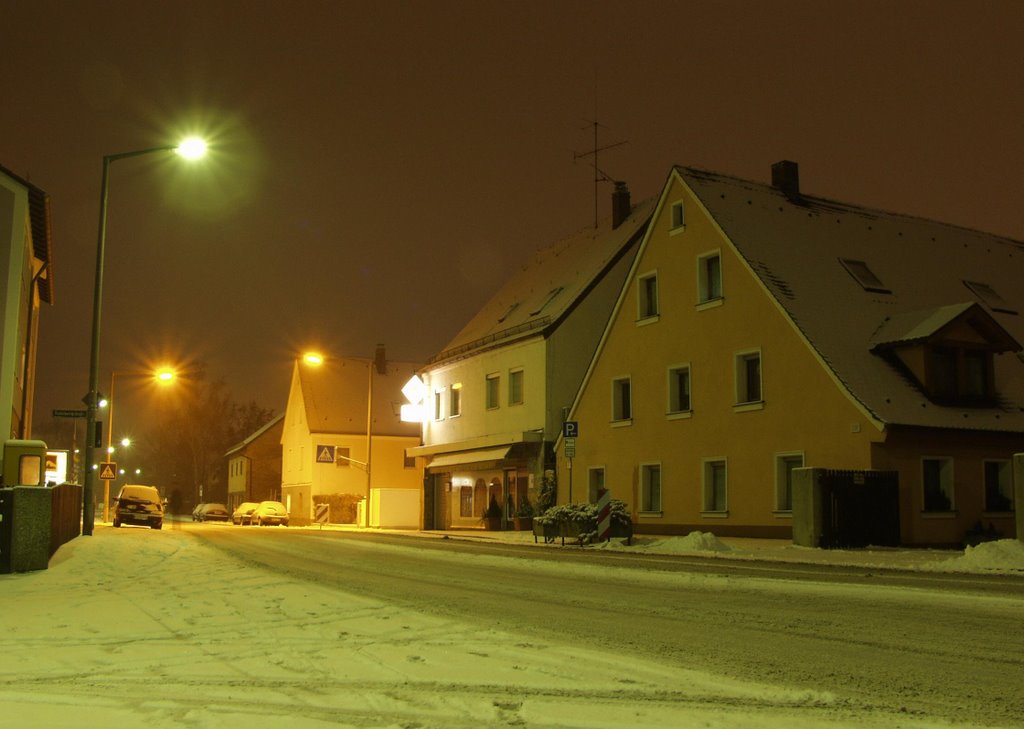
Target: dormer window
(949, 350)
(508, 312)
(547, 300)
(864, 276)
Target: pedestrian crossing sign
(108, 471)
(325, 454)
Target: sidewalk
(1001, 557)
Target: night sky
(377, 169)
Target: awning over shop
(464, 458)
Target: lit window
(715, 486)
(595, 482)
(785, 465)
(679, 389)
(515, 387)
(647, 295)
(650, 487)
(678, 219)
(622, 399)
(998, 486)
(748, 378)
(455, 401)
(990, 297)
(937, 482)
(864, 276)
(493, 390)
(709, 277)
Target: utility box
(24, 463)
(25, 525)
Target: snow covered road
(133, 627)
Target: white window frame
(672, 391)
(439, 394)
(1006, 469)
(618, 413)
(647, 311)
(651, 509)
(742, 383)
(514, 374)
(591, 486)
(676, 222)
(947, 484)
(704, 299)
(706, 469)
(780, 480)
(455, 400)
(494, 377)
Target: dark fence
(65, 514)
(859, 508)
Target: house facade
(254, 466)
(27, 282)
(761, 330)
(497, 394)
(342, 434)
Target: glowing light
(165, 375)
(413, 413)
(192, 148)
(414, 390)
(126, 442)
(313, 358)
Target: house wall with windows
(715, 458)
(762, 330)
(254, 466)
(324, 437)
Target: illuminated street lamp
(162, 376)
(189, 149)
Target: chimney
(786, 178)
(620, 204)
(379, 361)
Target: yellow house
(762, 330)
(342, 434)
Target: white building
(333, 443)
(498, 393)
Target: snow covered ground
(132, 628)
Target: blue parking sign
(571, 429)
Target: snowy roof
(550, 284)
(335, 393)
(850, 277)
(258, 432)
(42, 240)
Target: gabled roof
(39, 217)
(797, 245)
(334, 395)
(546, 289)
(255, 435)
(914, 327)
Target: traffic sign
(324, 454)
(69, 413)
(571, 429)
(569, 446)
(108, 471)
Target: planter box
(492, 523)
(523, 523)
(572, 530)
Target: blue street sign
(571, 429)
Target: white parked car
(270, 512)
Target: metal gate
(859, 508)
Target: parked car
(137, 504)
(270, 512)
(197, 511)
(214, 512)
(243, 514)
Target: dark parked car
(270, 512)
(243, 514)
(213, 512)
(137, 504)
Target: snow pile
(692, 542)
(1005, 555)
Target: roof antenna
(599, 174)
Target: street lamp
(162, 376)
(191, 148)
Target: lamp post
(191, 148)
(163, 376)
